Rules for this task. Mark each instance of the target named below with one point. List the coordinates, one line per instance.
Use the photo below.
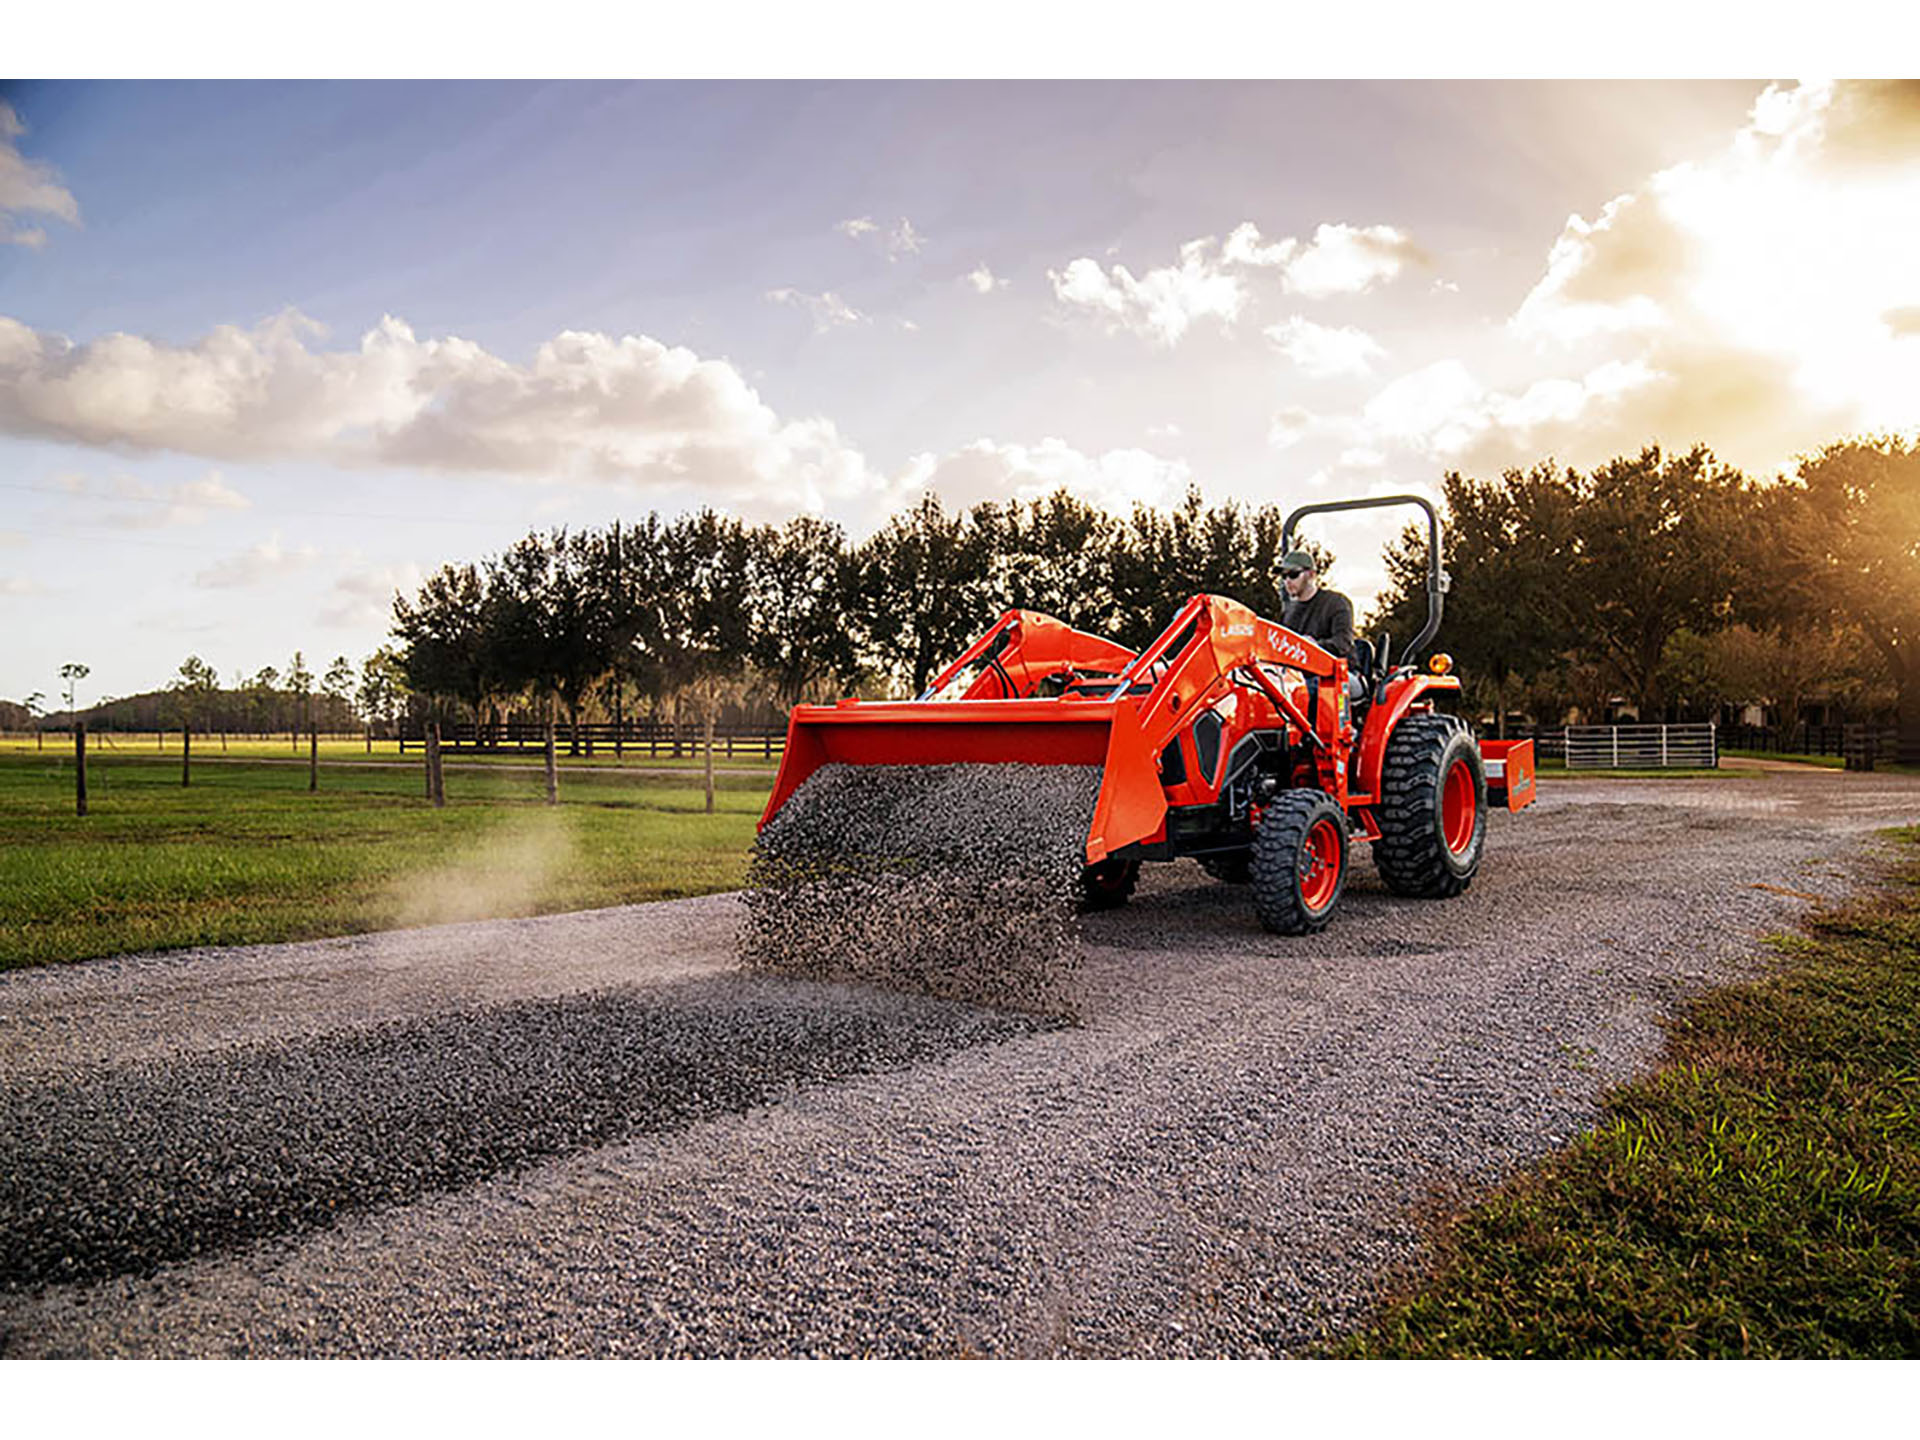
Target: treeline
(1659, 586)
(1679, 587)
(342, 699)
(706, 611)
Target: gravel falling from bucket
(959, 881)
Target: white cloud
(363, 596)
(133, 504)
(1162, 304)
(1322, 350)
(628, 409)
(896, 240)
(1245, 247)
(1346, 260)
(986, 470)
(829, 311)
(984, 280)
(269, 560)
(1209, 279)
(903, 239)
(1290, 427)
(28, 187)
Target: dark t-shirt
(1326, 619)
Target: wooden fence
(654, 738)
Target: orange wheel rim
(1320, 865)
(1459, 808)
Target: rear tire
(1299, 862)
(1433, 808)
(1108, 885)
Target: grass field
(1758, 1195)
(247, 854)
(353, 749)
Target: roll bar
(1437, 579)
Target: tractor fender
(1397, 697)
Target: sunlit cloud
(986, 470)
(1211, 278)
(1324, 351)
(1160, 305)
(627, 409)
(1348, 260)
(1765, 295)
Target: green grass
(1825, 762)
(247, 854)
(353, 750)
(1758, 1195)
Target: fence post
(1615, 733)
(1663, 747)
(79, 767)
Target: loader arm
(1210, 642)
(1023, 650)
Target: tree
(36, 705)
(73, 673)
(193, 689)
(300, 683)
(262, 693)
(382, 683)
(799, 576)
(702, 639)
(1055, 555)
(548, 636)
(448, 646)
(1554, 569)
(1851, 550)
(337, 686)
(923, 590)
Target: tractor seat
(1360, 671)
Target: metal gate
(1642, 747)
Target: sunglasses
(1291, 574)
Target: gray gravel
(949, 880)
(1222, 1159)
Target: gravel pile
(952, 880)
(119, 1170)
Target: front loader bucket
(1131, 804)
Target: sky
(269, 351)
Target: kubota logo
(1286, 645)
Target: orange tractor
(1229, 739)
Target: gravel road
(594, 1135)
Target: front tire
(1433, 808)
(1299, 862)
